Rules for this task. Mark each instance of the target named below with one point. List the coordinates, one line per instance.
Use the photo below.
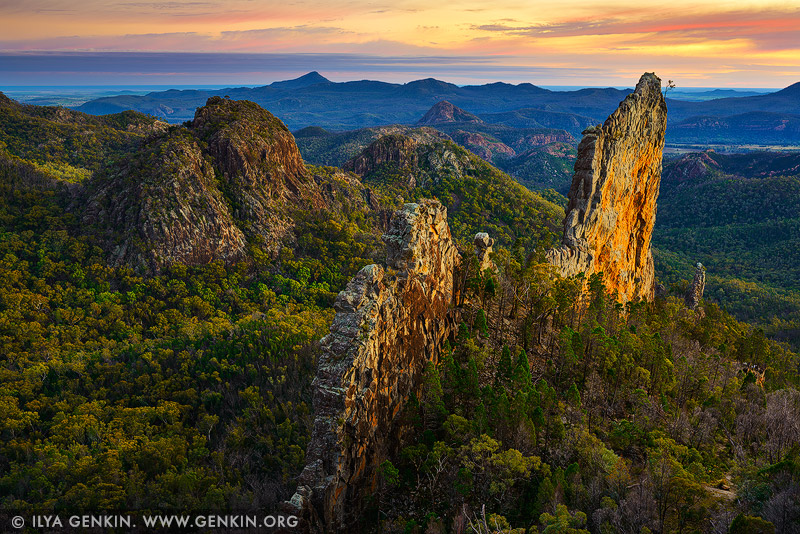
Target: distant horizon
(691, 89)
(220, 70)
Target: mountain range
(313, 100)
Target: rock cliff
(386, 329)
(195, 193)
(612, 201)
(393, 148)
(166, 208)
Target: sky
(700, 43)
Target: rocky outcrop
(194, 194)
(393, 148)
(612, 201)
(387, 328)
(695, 292)
(529, 141)
(690, 168)
(483, 249)
(261, 167)
(418, 159)
(165, 208)
(444, 112)
(251, 147)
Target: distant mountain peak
(430, 85)
(306, 80)
(429, 81)
(444, 111)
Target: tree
(748, 524)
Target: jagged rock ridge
(387, 328)
(421, 158)
(612, 201)
(195, 193)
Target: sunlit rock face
(612, 201)
(389, 324)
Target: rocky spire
(483, 248)
(386, 329)
(695, 292)
(612, 201)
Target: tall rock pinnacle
(612, 201)
(386, 329)
(695, 292)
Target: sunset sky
(561, 42)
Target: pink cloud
(768, 29)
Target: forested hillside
(545, 416)
(188, 388)
(739, 216)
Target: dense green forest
(479, 197)
(185, 391)
(554, 414)
(740, 216)
(66, 142)
(190, 390)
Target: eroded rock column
(695, 292)
(389, 324)
(612, 201)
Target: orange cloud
(690, 37)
